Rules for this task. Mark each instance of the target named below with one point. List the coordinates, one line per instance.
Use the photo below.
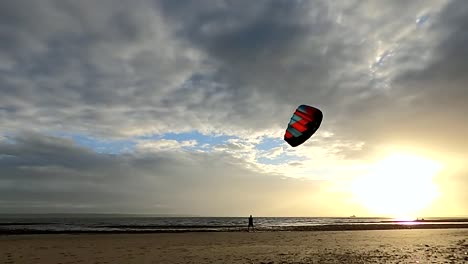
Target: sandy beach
(370, 246)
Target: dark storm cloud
(258, 40)
(240, 32)
(49, 173)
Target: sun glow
(400, 186)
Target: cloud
(275, 152)
(104, 67)
(95, 70)
(230, 67)
(164, 144)
(384, 74)
(423, 105)
(43, 174)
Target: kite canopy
(303, 124)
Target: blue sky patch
(269, 143)
(116, 146)
(199, 137)
(204, 142)
(110, 146)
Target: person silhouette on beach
(251, 225)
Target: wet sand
(370, 246)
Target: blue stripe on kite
(302, 108)
(296, 118)
(294, 132)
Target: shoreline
(237, 229)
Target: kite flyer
(250, 224)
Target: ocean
(100, 223)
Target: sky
(180, 107)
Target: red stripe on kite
(301, 114)
(299, 127)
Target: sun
(400, 186)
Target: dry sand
(372, 246)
